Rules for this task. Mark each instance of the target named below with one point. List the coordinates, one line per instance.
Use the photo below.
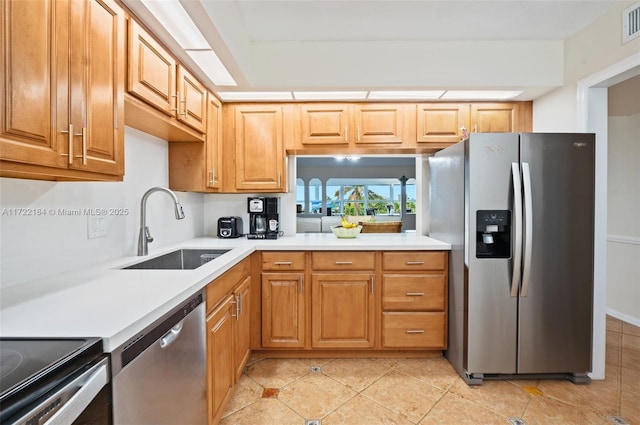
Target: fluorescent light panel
(480, 94)
(405, 94)
(210, 63)
(330, 95)
(375, 95)
(178, 23)
(245, 95)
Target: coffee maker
(264, 220)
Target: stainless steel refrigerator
(518, 211)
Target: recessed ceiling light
(256, 95)
(211, 65)
(405, 94)
(330, 95)
(480, 94)
(178, 23)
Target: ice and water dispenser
(493, 234)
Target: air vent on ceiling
(631, 23)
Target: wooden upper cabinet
(99, 111)
(28, 59)
(71, 126)
(214, 143)
(359, 124)
(192, 100)
(384, 123)
(495, 117)
(259, 149)
(197, 166)
(325, 124)
(152, 70)
(441, 122)
(158, 80)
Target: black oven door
(83, 398)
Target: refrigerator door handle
(528, 229)
(517, 221)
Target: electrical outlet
(96, 227)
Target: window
(362, 198)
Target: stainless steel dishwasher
(159, 376)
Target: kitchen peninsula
(347, 298)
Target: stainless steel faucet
(145, 237)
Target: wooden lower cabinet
(283, 310)
(242, 330)
(343, 310)
(414, 299)
(228, 325)
(355, 302)
(220, 370)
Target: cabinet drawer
(414, 330)
(281, 261)
(414, 260)
(415, 292)
(343, 260)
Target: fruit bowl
(346, 232)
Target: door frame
(593, 118)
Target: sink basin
(182, 259)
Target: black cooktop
(32, 366)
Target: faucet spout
(144, 236)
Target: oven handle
(79, 393)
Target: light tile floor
(429, 392)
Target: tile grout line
(357, 393)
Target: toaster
(229, 227)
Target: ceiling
(322, 45)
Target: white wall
(32, 247)
(623, 227)
(594, 48)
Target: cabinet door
(152, 70)
(325, 124)
(494, 117)
(214, 143)
(283, 310)
(259, 149)
(220, 370)
(192, 100)
(441, 122)
(379, 124)
(342, 310)
(28, 59)
(97, 111)
(242, 334)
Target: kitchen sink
(182, 259)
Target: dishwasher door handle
(171, 336)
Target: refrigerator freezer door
(555, 315)
(492, 311)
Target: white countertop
(114, 304)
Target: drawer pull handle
(415, 331)
(282, 263)
(415, 263)
(414, 294)
(344, 263)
